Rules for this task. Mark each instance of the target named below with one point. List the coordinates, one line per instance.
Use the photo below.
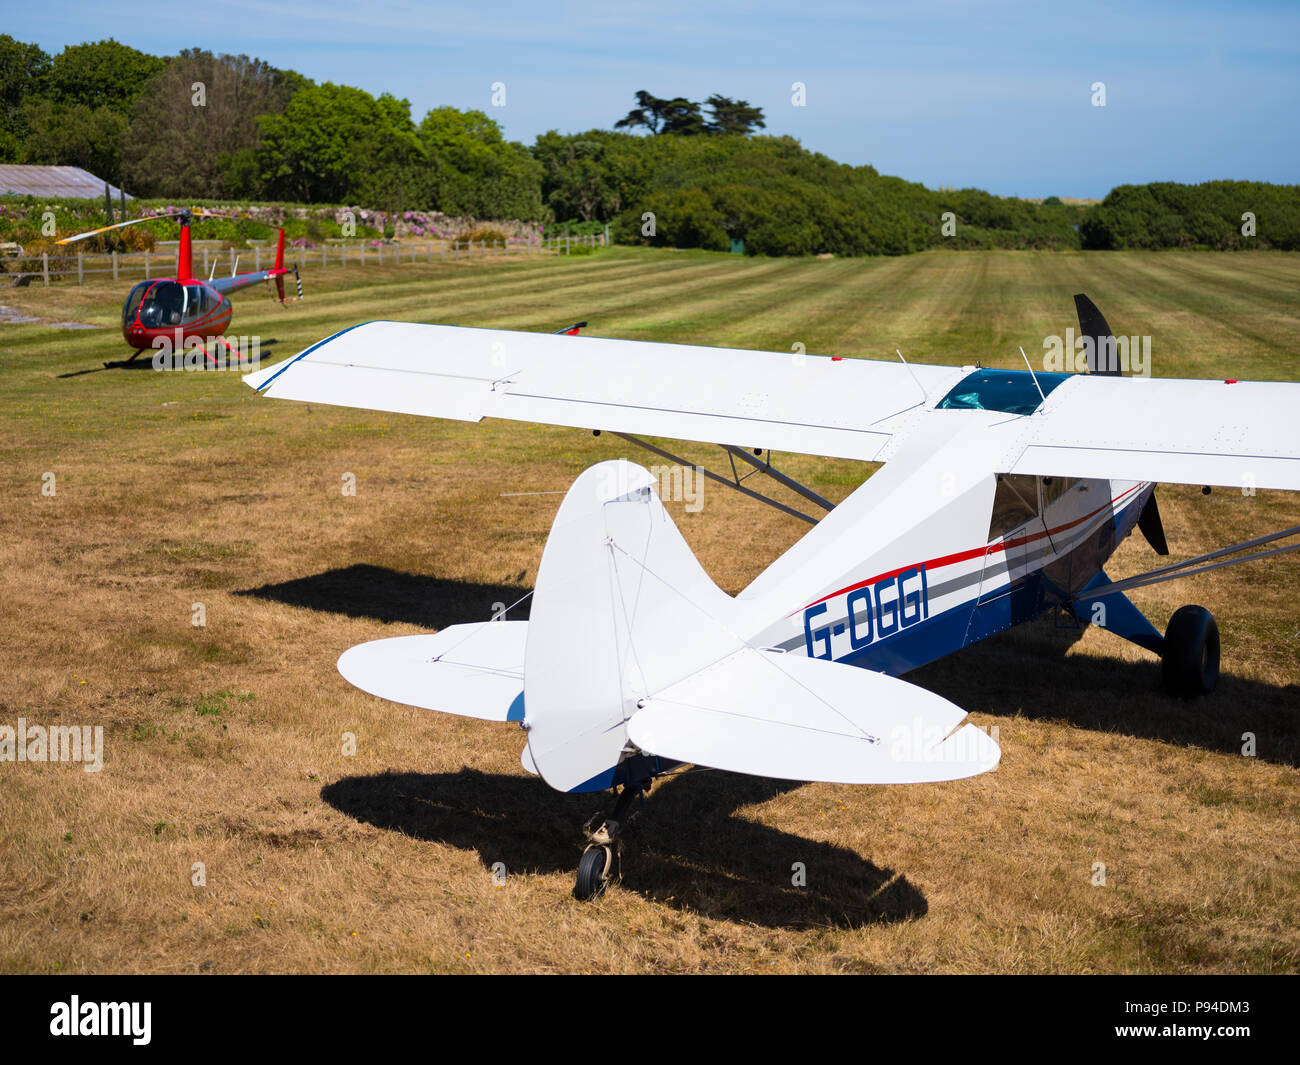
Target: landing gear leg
(604, 844)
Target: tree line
(693, 174)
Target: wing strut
(734, 482)
(1180, 569)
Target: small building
(53, 182)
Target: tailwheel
(1190, 657)
(593, 872)
(597, 866)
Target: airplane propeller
(1092, 324)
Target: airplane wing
(843, 408)
(1119, 428)
(1232, 433)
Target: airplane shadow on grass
(387, 595)
(687, 850)
(691, 850)
(1025, 672)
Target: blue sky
(994, 95)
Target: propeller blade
(1092, 323)
(1152, 527)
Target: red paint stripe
(964, 556)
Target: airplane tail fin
(632, 648)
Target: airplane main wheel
(1190, 659)
(593, 873)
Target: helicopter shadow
(688, 851)
(145, 362)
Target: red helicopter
(186, 311)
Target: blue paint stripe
(304, 354)
(969, 622)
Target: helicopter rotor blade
(118, 225)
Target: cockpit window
(133, 301)
(164, 307)
(1009, 391)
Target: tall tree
(102, 74)
(322, 148)
(733, 116)
(678, 115)
(683, 116)
(195, 126)
(23, 70)
(75, 135)
(475, 172)
(649, 113)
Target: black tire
(591, 874)
(1190, 658)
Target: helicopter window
(195, 303)
(133, 301)
(164, 306)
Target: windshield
(1009, 391)
(133, 301)
(164, 307)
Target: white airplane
(1002, 495)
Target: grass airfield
(224, 743)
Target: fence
(25, 269)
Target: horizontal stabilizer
(469, 670)
(796, 718)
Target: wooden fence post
(45, 266)
(115, 266)
(146, 264)
(81, 272)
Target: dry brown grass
(224, 742)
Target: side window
(1055, 487)
(1014, 502)
(194, 301)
